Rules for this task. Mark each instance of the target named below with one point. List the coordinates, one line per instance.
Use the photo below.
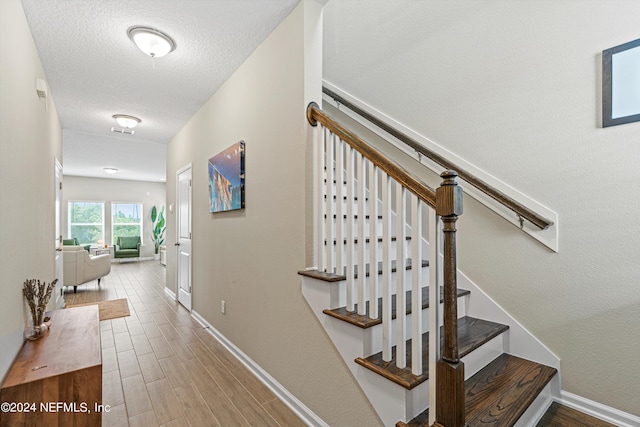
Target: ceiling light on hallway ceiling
(110, 171)
(126, 121)
(153, 42)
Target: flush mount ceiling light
(110, 171)
(153, 42)
(126, 121)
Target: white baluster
(434, 307)
(362, 309)
(386, 267)
(330, 224)
(339, 207)
(401, 296)
(373, 241)
(349, 227)
(322, 206)
(416, 286)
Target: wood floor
(562, 416)
(161, 368)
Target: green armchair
(74, 242)
(127, 247)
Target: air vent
(123, 130)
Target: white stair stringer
(391, 401)
(520, 342)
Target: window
(86, 221)
(126, 220)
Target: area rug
(109, 309)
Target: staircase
(376, 314)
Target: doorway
(183, 238)
(58, 260)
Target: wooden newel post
(450, 370)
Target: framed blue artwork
(621, 84)
(226, 179)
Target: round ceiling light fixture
(110, 171)
(153, 42)
(126, 121)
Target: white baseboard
(171, 294)
(598, 410)
(299, 408)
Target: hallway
(162, 368)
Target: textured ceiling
(94, 71)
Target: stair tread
(500, 392)
(472, 333)
(421, 420)
(354, 217)
(355, 198)
(332, 277)
(559, 415)
(364, 321)
(367, 240)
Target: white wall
(514, 88)
(30, 140)
(250, 257)
(106, 190)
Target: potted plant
(157, 234)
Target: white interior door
(183, 241)
(58, 261)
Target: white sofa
(80, 267)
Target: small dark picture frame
(621, 84)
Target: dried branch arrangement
(37, 295)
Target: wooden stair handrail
(447, 202)
(517, 207)
(315, 115)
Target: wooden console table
(57, 379)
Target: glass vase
(33, 330)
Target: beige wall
(30, 139)
(514, 88)
(250, 257)
(115, 190)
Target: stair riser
(391, 401)
(482, 356)
(373, 339)
(333, 216)
(379, 245)
(334, 241)
(539, 406)
(342, 286)
(416, 399)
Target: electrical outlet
(223, 307)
